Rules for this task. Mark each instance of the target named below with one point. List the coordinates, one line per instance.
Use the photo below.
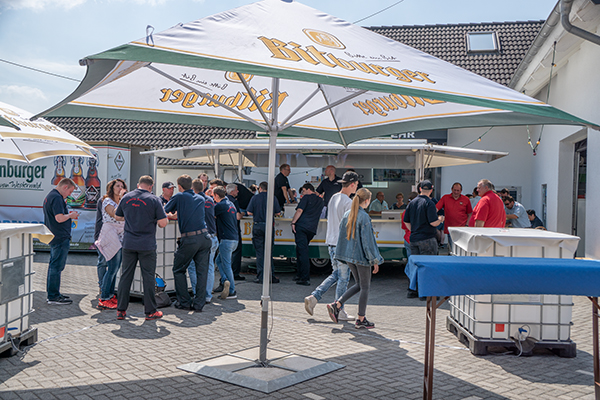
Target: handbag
(161, 297)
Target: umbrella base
(282, 369)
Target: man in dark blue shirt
(282, 184)
(227, 232)
(211, 225)
(194, 244)
(236, 257)
(258, 209)
(142, 211)
(304, 226)
(58, 219)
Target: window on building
(482, 42)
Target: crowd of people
(208, 214)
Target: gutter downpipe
(565, 11)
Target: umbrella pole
(266, 296)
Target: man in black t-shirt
(142, 211)
(304, 226)
(330, 185)
(236, 257)
(58, 219)
(282, 184)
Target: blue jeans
(101, 267)
(339, 275)
(407, 249)
(58, 259)
(223, 261)
(210, 279)
(110, 277)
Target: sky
(53, 35)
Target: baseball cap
(168, 185)
(426, 184)
(349, 177)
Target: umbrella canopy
(277, 65)
(27, 141)
(369, 153)
(338, 81)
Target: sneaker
(207, 301)
(121, 314)
(239, 278)
(107, 305)
(333, 311)
(61, 301)
(218, 289)
(309, 304)
(412, 294)
(65, 296)
(225, 291)
(155, 315)
(232, 296)
(363, 324)
(343, 316)
(303, 283)
(274, 279)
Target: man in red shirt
(489, 211)
(457, 209)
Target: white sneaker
(343, 316)
(309, 304)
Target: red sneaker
(113, 299)
(107, 305)
(121, 314)
(154, 315)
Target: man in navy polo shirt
(304, 226)
(211, 225)
(142, 211)
(226, 215)
(258, 209)
(58, 219)
(194, 244)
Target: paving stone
(85, 353)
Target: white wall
(512, 170)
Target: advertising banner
(23, 188)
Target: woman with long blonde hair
(357, 247)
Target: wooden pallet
(479, 346)
(26, 338)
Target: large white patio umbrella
(280, 66)
(27, 141)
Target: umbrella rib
(320, 110)
(309, 98)
(256, 103)
(206, 96)
(23, 154)
(333, 117)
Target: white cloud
(22, 91)
(39, 5)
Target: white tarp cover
(479, 240)
(38, 230)
(316, 56)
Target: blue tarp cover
(449, 276)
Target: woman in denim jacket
(357, 247)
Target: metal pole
(266, 296)
(217, 159)
(241, 166)
(595, 347)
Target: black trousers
(258, 242)
(147, 260)
(236, 256)
(303, 238)
(190, 248)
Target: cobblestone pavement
(85, 353)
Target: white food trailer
(405, 160)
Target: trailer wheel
(320, 266)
